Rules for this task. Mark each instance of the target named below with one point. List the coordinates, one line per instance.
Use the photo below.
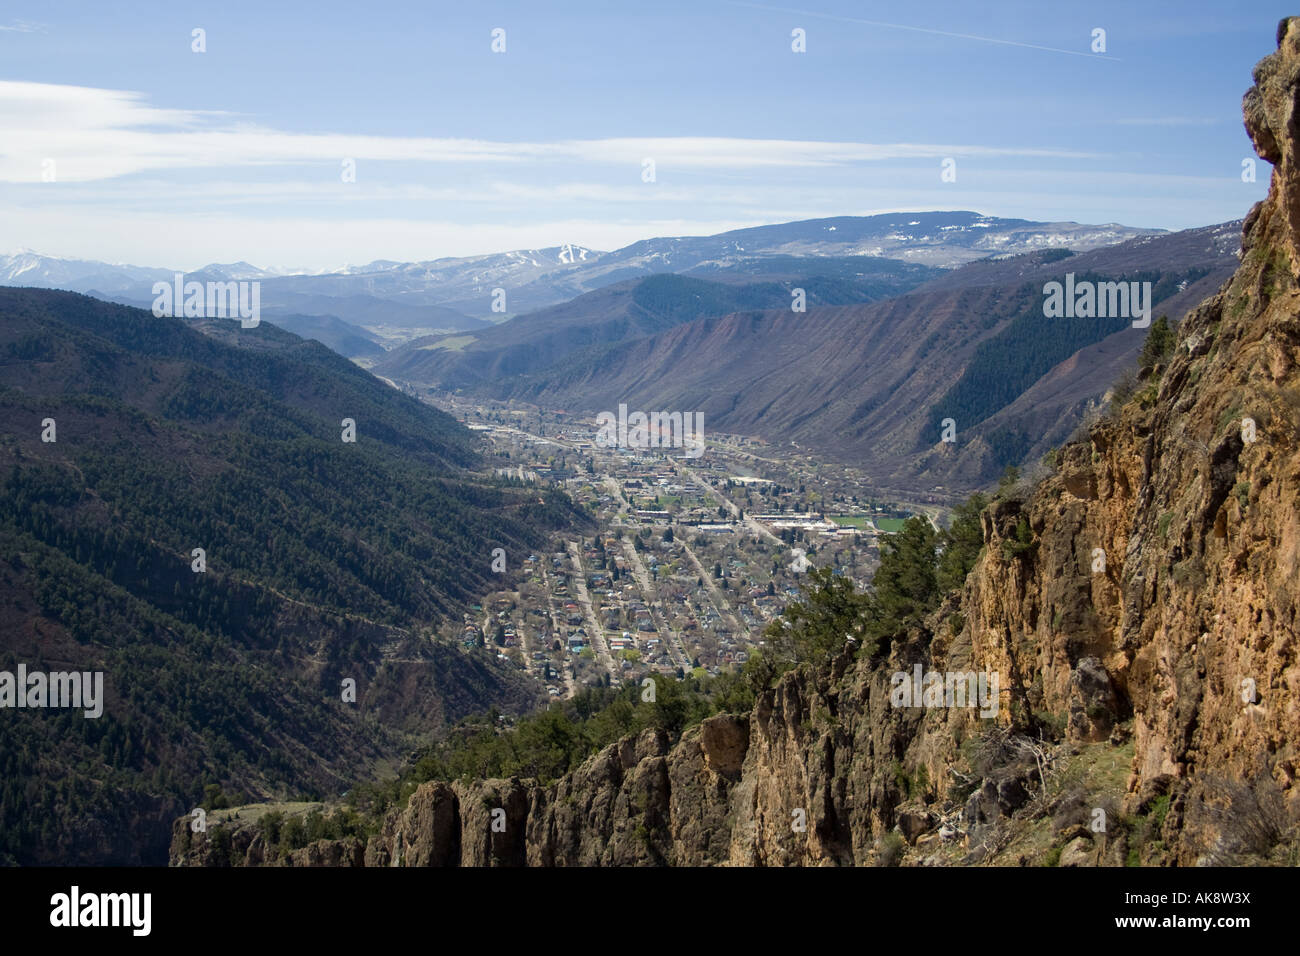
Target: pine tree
(1159, 343)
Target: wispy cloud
(22, 26)
(96, 134)
(1173, 121)
(915, 29)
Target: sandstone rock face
(1161, 587)
(913, 823)
(1078, 852)
(724, 740)
(1270, 112)
(346, 852)
(1193, 503)
(425, 833)
(1094, 704)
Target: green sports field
(851, 521)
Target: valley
(693, 556)
(648, 448)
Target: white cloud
(96, 134)
(180, 188)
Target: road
(749, 523)
(555, 629)
(720, 603)
(594, 628)
(624, 506)
(673, 642)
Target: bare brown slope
(805, 377)
(859, 382)
(631, 310)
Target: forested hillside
(321, 559)
(1004, 366)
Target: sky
(601, 123)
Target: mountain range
(896, 309)
(866, 374)
(455, 294)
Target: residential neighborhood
(692, 556)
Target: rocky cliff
(1139, 608)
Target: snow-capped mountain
(27, 268)
(234, 271)
(942, 239)
(460, 293)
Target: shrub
(270, 825)
(1156, 815)
(1242, 491)
(1122, 390)
(1251, 816)
(219, 846)
(1053, 724)
(892, 847)
(1020, 542)
(901, 777)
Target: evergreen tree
(962, 543)
(906, 584)
(1159, 344)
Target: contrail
(903, 26)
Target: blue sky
(163, 156)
